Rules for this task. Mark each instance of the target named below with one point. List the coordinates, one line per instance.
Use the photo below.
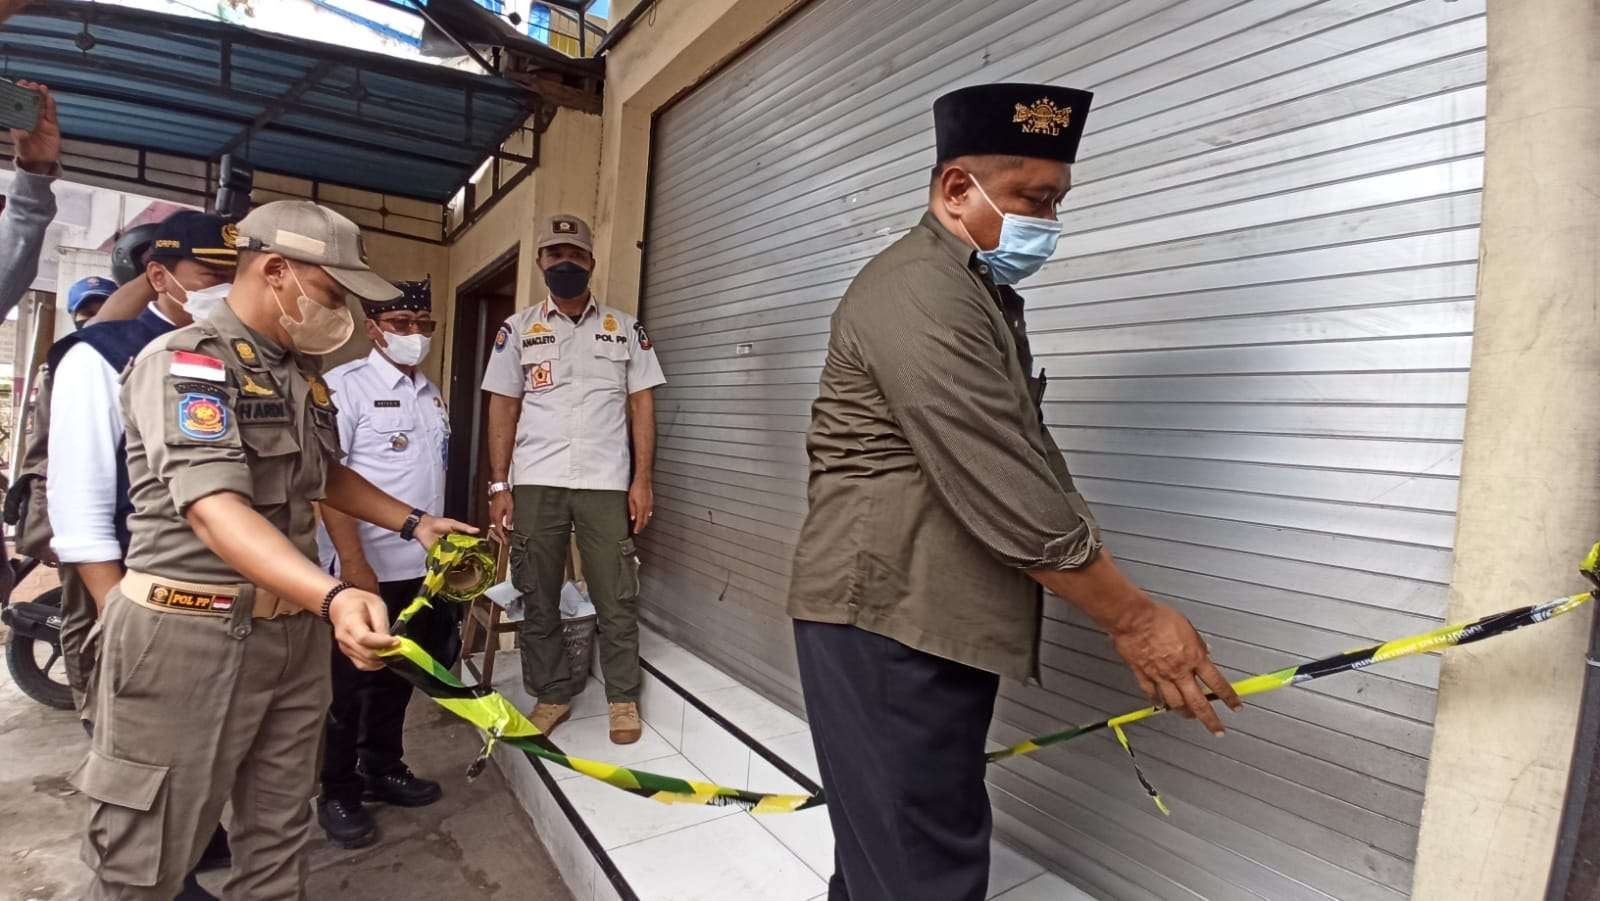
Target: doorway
(483, 303)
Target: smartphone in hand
(19, 107)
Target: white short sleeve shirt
(574, 379)
(395, 431)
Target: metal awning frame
(212, 35)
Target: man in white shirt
(395, 431)
(190, 268)
(570, 381)
(190, 265)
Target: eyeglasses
(408, 326)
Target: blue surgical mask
(1026, 244)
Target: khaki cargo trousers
(544, 521)
(193, 710)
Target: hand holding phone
(38, 147)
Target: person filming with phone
(30, 204)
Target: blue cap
(86, 290)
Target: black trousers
(900, 743)
(367, 719)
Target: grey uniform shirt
(934, 487)
(216, 407)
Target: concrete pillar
(1530, 485)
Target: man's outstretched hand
(1173, 664)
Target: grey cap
(565, 229)
(307, 233)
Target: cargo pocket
(276, 450)
(127, 818)
(628, 579)
(524, 574)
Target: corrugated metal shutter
(1257, 335)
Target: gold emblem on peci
(1043, 117)
(230, 235)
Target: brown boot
(548, 716)
(625, 725)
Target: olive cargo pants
(544, 520)
(79, 649)
(193, 710)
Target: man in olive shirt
(939, 506)
(214, 665)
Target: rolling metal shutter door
(1257, 333)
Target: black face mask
(567, 281)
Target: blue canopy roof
(199, 89)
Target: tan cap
(307, 233)
(565, 229)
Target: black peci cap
(189, 235)
(1042, 121)
(416, 297)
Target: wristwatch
(497, 487)
(409, 530)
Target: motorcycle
(33, 652)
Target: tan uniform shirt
(216, 407)
(574, 379)
(934, 487)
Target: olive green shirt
(934, 488)
(216, 407)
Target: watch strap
(408, 531)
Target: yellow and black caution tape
(456, 571)
(460, 568)
(1437, 640)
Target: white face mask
(200, 303)
(406, 350)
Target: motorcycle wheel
(37, 666)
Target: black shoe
(347, 825)
(403, 789)
(192, 891)
(216, 856)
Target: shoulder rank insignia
(246, 352)
(1043, 117)
(610, 323)
(319, 392)
(202, 417)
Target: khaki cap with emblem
(307, 233)
(565, 229)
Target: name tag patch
(538, 339)
(258, 410)
(541, 376)
(386, 404)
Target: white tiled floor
(662, 849)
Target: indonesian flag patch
(188, 365)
